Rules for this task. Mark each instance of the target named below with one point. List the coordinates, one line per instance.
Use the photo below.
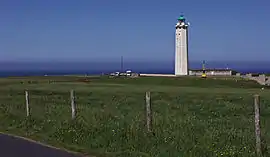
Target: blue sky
(94, 30)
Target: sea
(95, 68)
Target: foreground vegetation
(192, 116)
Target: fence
(148, 108)
(148, 112)
(149, 117)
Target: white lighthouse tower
(181, 47)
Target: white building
(181, 47)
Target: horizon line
(128, 60)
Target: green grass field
(191, 116)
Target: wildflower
(114, 132)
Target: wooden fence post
(257, 124)
(73, 108)
(27, 103)
(148, 112)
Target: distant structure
(182, 59)
(181, 55)
(181, 47)
(211, 72)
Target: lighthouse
(181, 47)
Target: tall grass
(111, 120)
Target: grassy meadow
(191, 116)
